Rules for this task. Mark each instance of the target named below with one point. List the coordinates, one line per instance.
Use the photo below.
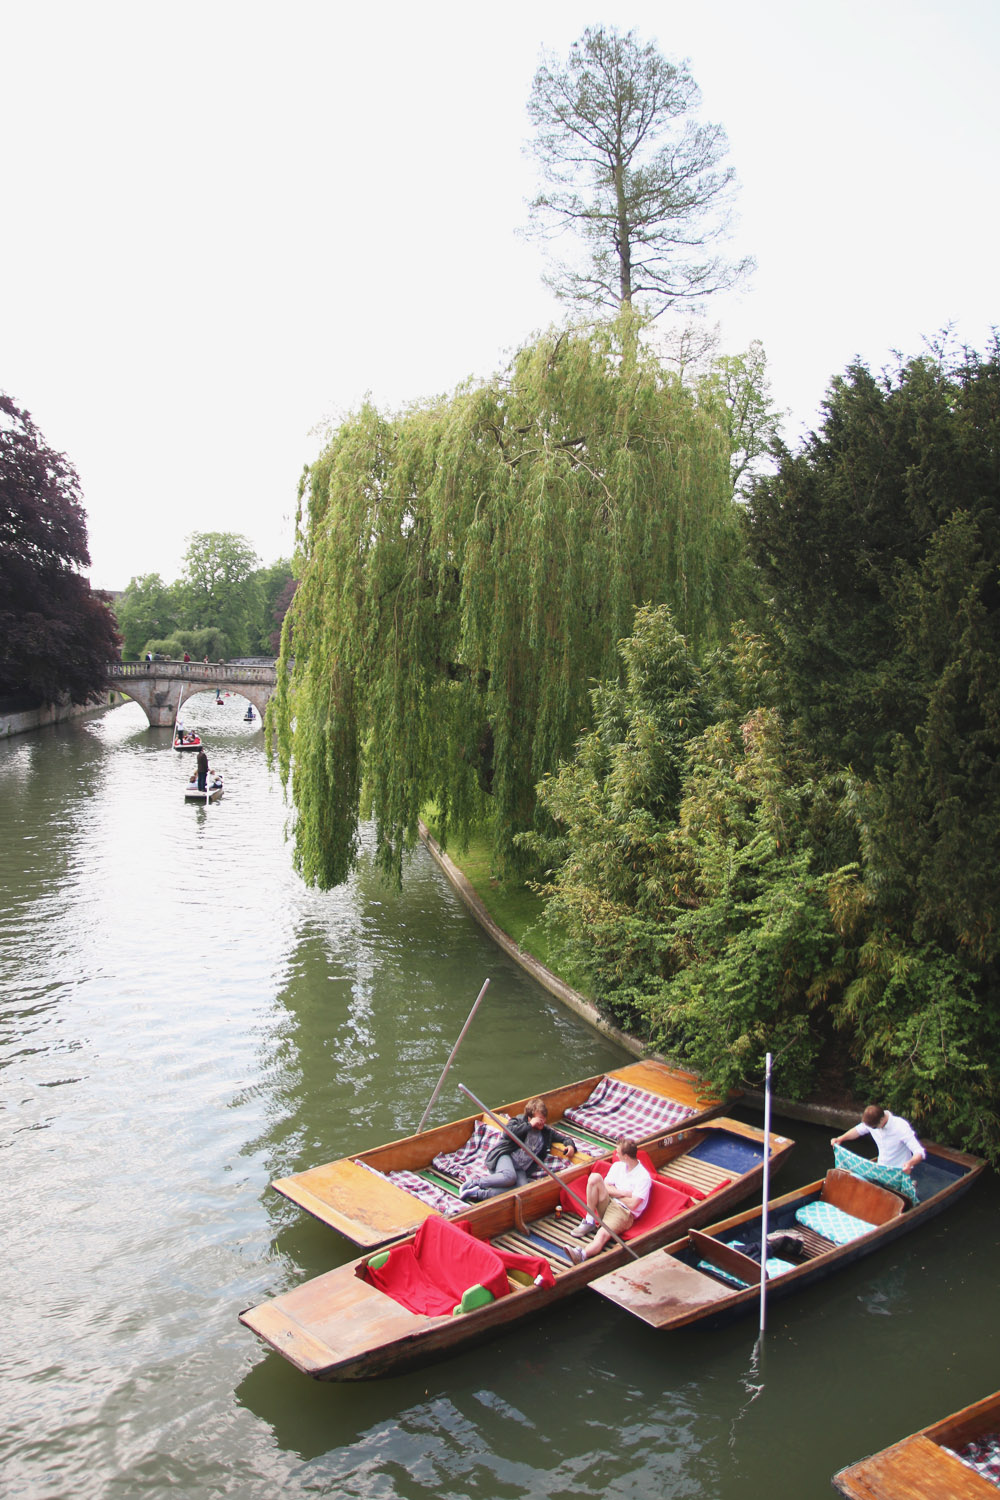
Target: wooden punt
(195, 794)
(339, 1327)
(188, 744)
(925, 1465)
(370, 1210)
(686, 1282)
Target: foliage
(614, 806)
(838, 532)
(688, 878)
(147, 609)
(210, 642)
(56, 636)
(466, 570)
(780, 900)
(221, 588)
(279, 609)
(739, 382)
(272, 587)
(629, 169)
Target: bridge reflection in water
(160, 687)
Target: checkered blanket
(893, 1178)
(616, 1108)
(831, 1222)
(428, 1192)
(983, 1455)
(470, 1160)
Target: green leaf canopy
(467, 569)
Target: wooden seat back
(726, 1257)
(865, 1200)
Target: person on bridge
(186, 657)
(202, 771)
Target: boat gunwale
(719, 1310)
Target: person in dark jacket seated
(509, 1165)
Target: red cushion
(694, 1193)
(430, 1273)
(664, 1203)
(665, 1200)
(534, 1265)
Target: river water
(182, 1021)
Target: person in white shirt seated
(613, 1202)
(894, 1137)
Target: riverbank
(815, 1113)
(15, 720)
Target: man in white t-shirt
(894, 1137)
(613, 1202)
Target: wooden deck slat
(701, 1174)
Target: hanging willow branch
(467, 570)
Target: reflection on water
(183, 1021)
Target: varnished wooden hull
(370, 1211)
(919, 1468)
(667, 1293)
(338, 1327)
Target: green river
(184, 1021)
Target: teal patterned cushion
(832, 1223)
(893, 1178)
(775, 1267)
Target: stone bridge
(160, 687)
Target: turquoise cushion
(775, 1267)
(832, 1222)
(893, 1178)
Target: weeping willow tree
(467, 569)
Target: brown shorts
(616, 1218)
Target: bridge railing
(214, 671)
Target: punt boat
(187, 742)
(957, 1458)
(212, 792)
(451, 1285)
(382, 1194)
(714, 1274)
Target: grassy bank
(515, 908)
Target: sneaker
(472, 1193)
(583, 1229)
(576, 1255)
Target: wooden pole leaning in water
(454, 1050)
(767, 1181)
(580, 1203)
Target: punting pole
(454, 1050)
(539, 1163)
(767, 1183)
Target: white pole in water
(454, 1050)
(767, 1184)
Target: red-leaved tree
(56, 635)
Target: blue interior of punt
(734, 1153)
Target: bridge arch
(160, 687)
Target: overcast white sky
(225, 223)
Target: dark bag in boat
(785, 1243)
